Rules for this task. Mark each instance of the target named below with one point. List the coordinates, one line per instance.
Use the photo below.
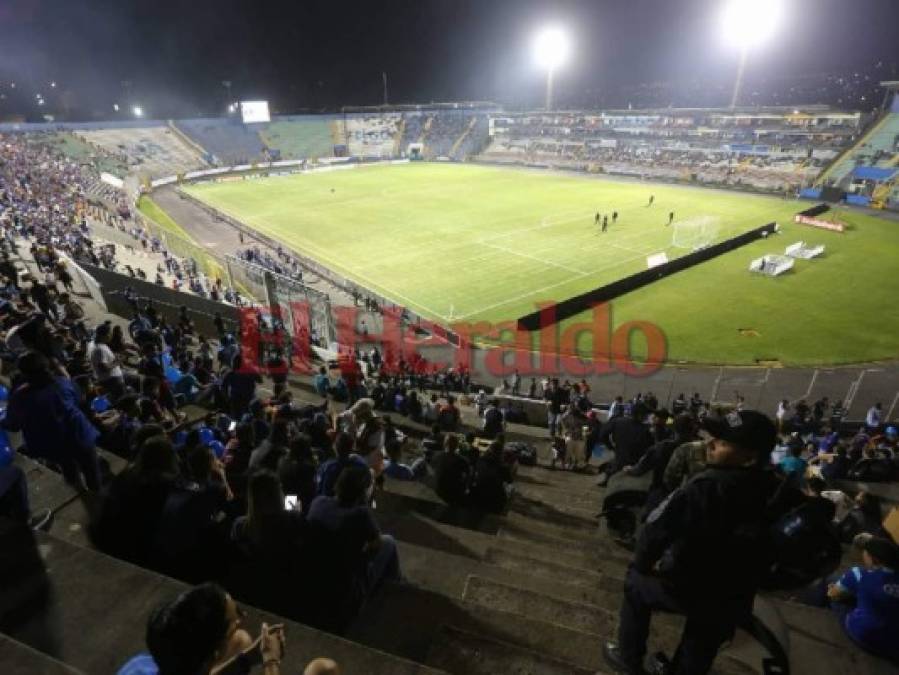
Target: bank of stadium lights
(552, 49)
(115, 107)
(746, 25)
(138, 111)
(750, 23)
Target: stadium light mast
(747, 24)
(551, 51)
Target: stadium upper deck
(768, 149)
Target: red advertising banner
(823, 224)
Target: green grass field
(474, 243)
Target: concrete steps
(563, 479)
(556, 617)
(418, 529)
(534, 591)
(581, 531)
(575, 493)
(458, 651)
(559, 495)
(819, 645)
(590, 581)
(605, 558)
(20, 659)
(576, 616)
(449, 576)
(424, 615)
(539, 576)
(84, 588)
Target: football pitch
(475, 243)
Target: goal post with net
(694, 233)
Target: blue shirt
(50, 419)
(792, 464)
(321, 384)
(398, 471)
(874, 623)
(330, 471)
(142, 664)
(828, 442)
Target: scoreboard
(254, 111)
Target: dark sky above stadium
(172, 56)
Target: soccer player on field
(614, 217)
(652, 198)
(671, 217)
(605, 223)
(596, 219)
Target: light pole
(551, 51)
(747, 24)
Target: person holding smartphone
(200, 632)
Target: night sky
(318, 55)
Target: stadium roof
(755, 113)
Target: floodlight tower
(551, 51)
(747, 24)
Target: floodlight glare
(551, 48)
(749, 23)
(138, 111)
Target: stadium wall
(166, 300)
(584, 302)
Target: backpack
(525, 453)
(623, 502)
(803, 547)
(873, 471)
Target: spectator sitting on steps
(451, 472)
(350, 520)
(630, 438)
(200, 632)
(866, 599)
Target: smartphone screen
(290, 502)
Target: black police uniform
(701, 554)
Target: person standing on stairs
(702, 552)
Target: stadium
(331, 389)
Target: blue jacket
(50, 419)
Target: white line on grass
(546, 263)
(508, 301)
(580, 275)
(337, 267)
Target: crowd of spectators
(278, 261)
(705, 466)
(273, 499)
(48, 204)
(258, 494)
(767, 152)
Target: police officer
(702, 551)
